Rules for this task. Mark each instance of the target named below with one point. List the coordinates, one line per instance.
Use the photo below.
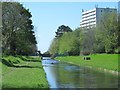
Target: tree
(54, 47)
(0, 29)
(108, 32)
(118, 49)
(62, 29)
(99, 46)
(87, 41)
(17, 32)
(69, 43)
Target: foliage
(118, 49)
(108, 32)
(54, 47)
(69, 44)
(62, 29)
(87, 41)
(17, 31)
(104, 38)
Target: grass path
(28, 73)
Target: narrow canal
(64, 75)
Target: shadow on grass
(29, 60)
(32, 60)
(9, 64)
(24, 66)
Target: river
(64, 75)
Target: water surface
(64, 75)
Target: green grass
(104, 61)
(23, 72)
(0, 74)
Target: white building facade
(90, 18)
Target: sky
(48, 16)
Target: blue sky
(47, 16)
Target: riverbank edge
(46, 79)
(44, 74)
(46, 88)
(116, 73)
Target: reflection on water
(64, 75)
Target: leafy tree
(99, 46)
(105, 38)
(17, 31)
(69, 43)
(108, 30)
(54, 47)
(62, 29)
(87, 41)
(118, 49)
(0, 29)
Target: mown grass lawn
(105, 61)
(23, 72)
(0, 74)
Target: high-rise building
(90, 18)
(119, 7)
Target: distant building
(90, 18)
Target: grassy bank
(23, 72)
(104, 61)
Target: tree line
(18, 36)
(104, 38)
